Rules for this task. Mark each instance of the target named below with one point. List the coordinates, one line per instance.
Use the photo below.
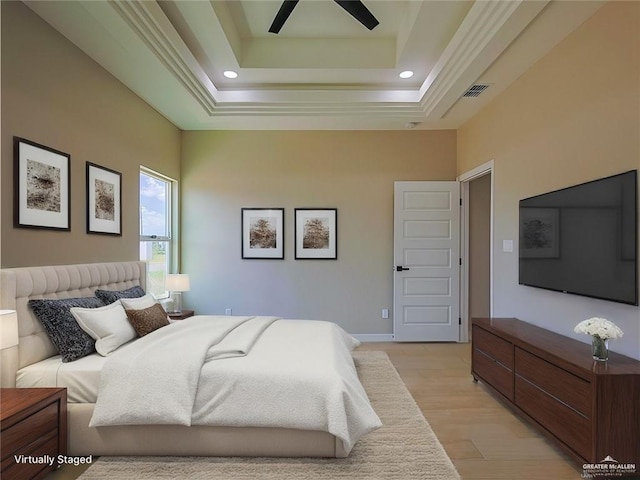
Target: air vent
(476, 90)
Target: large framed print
(41, 186)
(104, 200)
(316, 233)
(263, 233)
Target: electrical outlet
(385, 313)
(227, 311)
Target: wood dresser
(34, 424)
(590, 409)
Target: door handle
(400, 268)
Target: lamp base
(176, 299)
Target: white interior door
(426, 285)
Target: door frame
(464, 179)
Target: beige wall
(351, 171)
(53, 94)
(573, 117)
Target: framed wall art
(104, 200)
(263, 233)
(316, 233)
(41, 190)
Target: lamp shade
(177, 282)
(8, 329)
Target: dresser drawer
(495, 374)
(564, 386)
(562, 421)
(493, 346)
(30, 429)
(23, 470)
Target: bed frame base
(197, 440)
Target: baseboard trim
(374, 337)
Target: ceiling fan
(355, 8)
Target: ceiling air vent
(476, 90)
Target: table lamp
(177, 283)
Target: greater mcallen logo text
(607, 467)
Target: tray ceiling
(324, 70)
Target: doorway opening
(477, 239)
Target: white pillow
(108, 326)
(138, 303)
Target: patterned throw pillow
(110, 296)
(147, 320)
(71, 341)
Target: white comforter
(238, 371)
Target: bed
(35, 362)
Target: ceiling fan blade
(361, 13)
(285, 10)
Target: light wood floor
(483, 438)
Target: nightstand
(34, 424)
(181, 316)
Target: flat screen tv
(583, 239)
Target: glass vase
(600, 348)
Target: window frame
(171, 217)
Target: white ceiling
(324, 70)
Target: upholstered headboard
(19, 285)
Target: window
(156, 240)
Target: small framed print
(104, 200)
(41, 186)
(263, 233)
(316, 233)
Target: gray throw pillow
(71, 341)
(110, 296)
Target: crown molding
(150, 23)
(485, 33)
(478, 32)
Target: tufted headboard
(19, 285)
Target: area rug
(404, 448)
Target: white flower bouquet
(599, 327)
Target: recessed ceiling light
(406, 74)
(230, 74)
